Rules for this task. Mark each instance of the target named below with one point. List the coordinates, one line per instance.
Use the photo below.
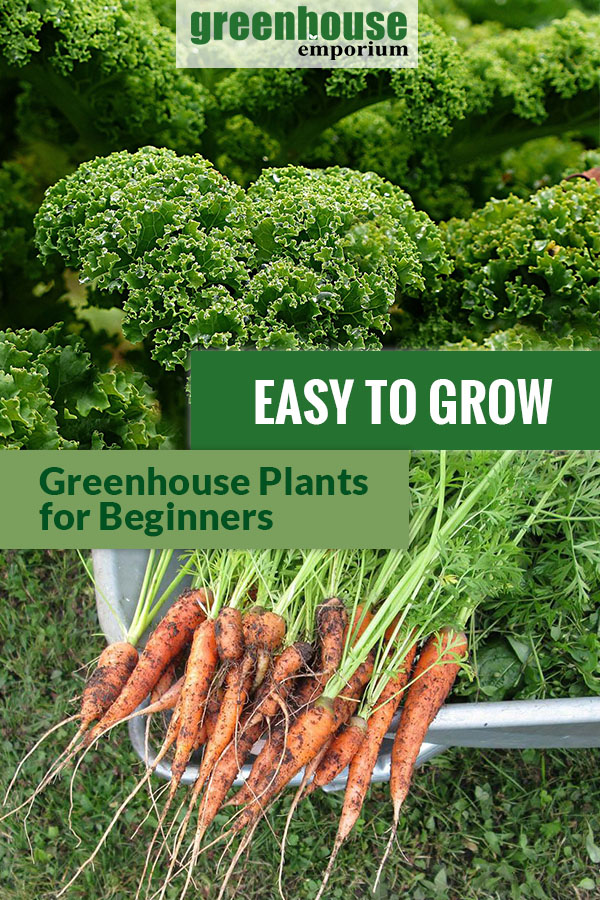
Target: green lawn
(498, 825)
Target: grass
(493, 825)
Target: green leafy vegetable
(500, 92)
(534, 261)
(53, 397)
(105, 71)
(303, 258)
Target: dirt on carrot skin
(116, 663)
(229, 634)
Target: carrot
(305, 738)
(266, 763)
(272, 695)
(229, 634)
(167, 701)
(307, 692)
(164, 696)
(161, 689)
(164, 684)
(251, 625)
(280, 682)
(432, 680)
(332, 622)
(433, 677)
(262, 630)
(212, 711)
(199, 673)
(263, 661)
(341, 751)
(186, 721)
(343, 707)
(259, 629)
(362, 620)
(167, 640)
(272, 631)
(115, 665)
(346, 702)
(363, 762)
(237, 689)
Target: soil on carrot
(494, 825)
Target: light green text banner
(204, 499)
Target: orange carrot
(237, 688)
(341, 751)
(362, 619)
(232, 760)
(269, 633)
(199, 673)
(261, 777)
(229, 634)
(186, 722)
(281, 679)
(167, 640)
(212, 711)
(363, 762)
(261, 630)
(168, 700)
(252, 624)
(361, 767)
(115, 665)
(309, 689)
(164, 684)
(432, 680)
(346, 702)
(305, 738)
(332, 622)
(269, 757)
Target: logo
(283, 34)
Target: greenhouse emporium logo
(284, 34)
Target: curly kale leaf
(302, 258)
(53, 397)
(525, 337)
(514, 87)
(349, 244)
(167, 231)
(534, 261)
(521, 13)
(106, 69)
(296, 105)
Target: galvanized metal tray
(512, 724)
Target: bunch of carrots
(311, 653)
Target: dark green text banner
(396, 400)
